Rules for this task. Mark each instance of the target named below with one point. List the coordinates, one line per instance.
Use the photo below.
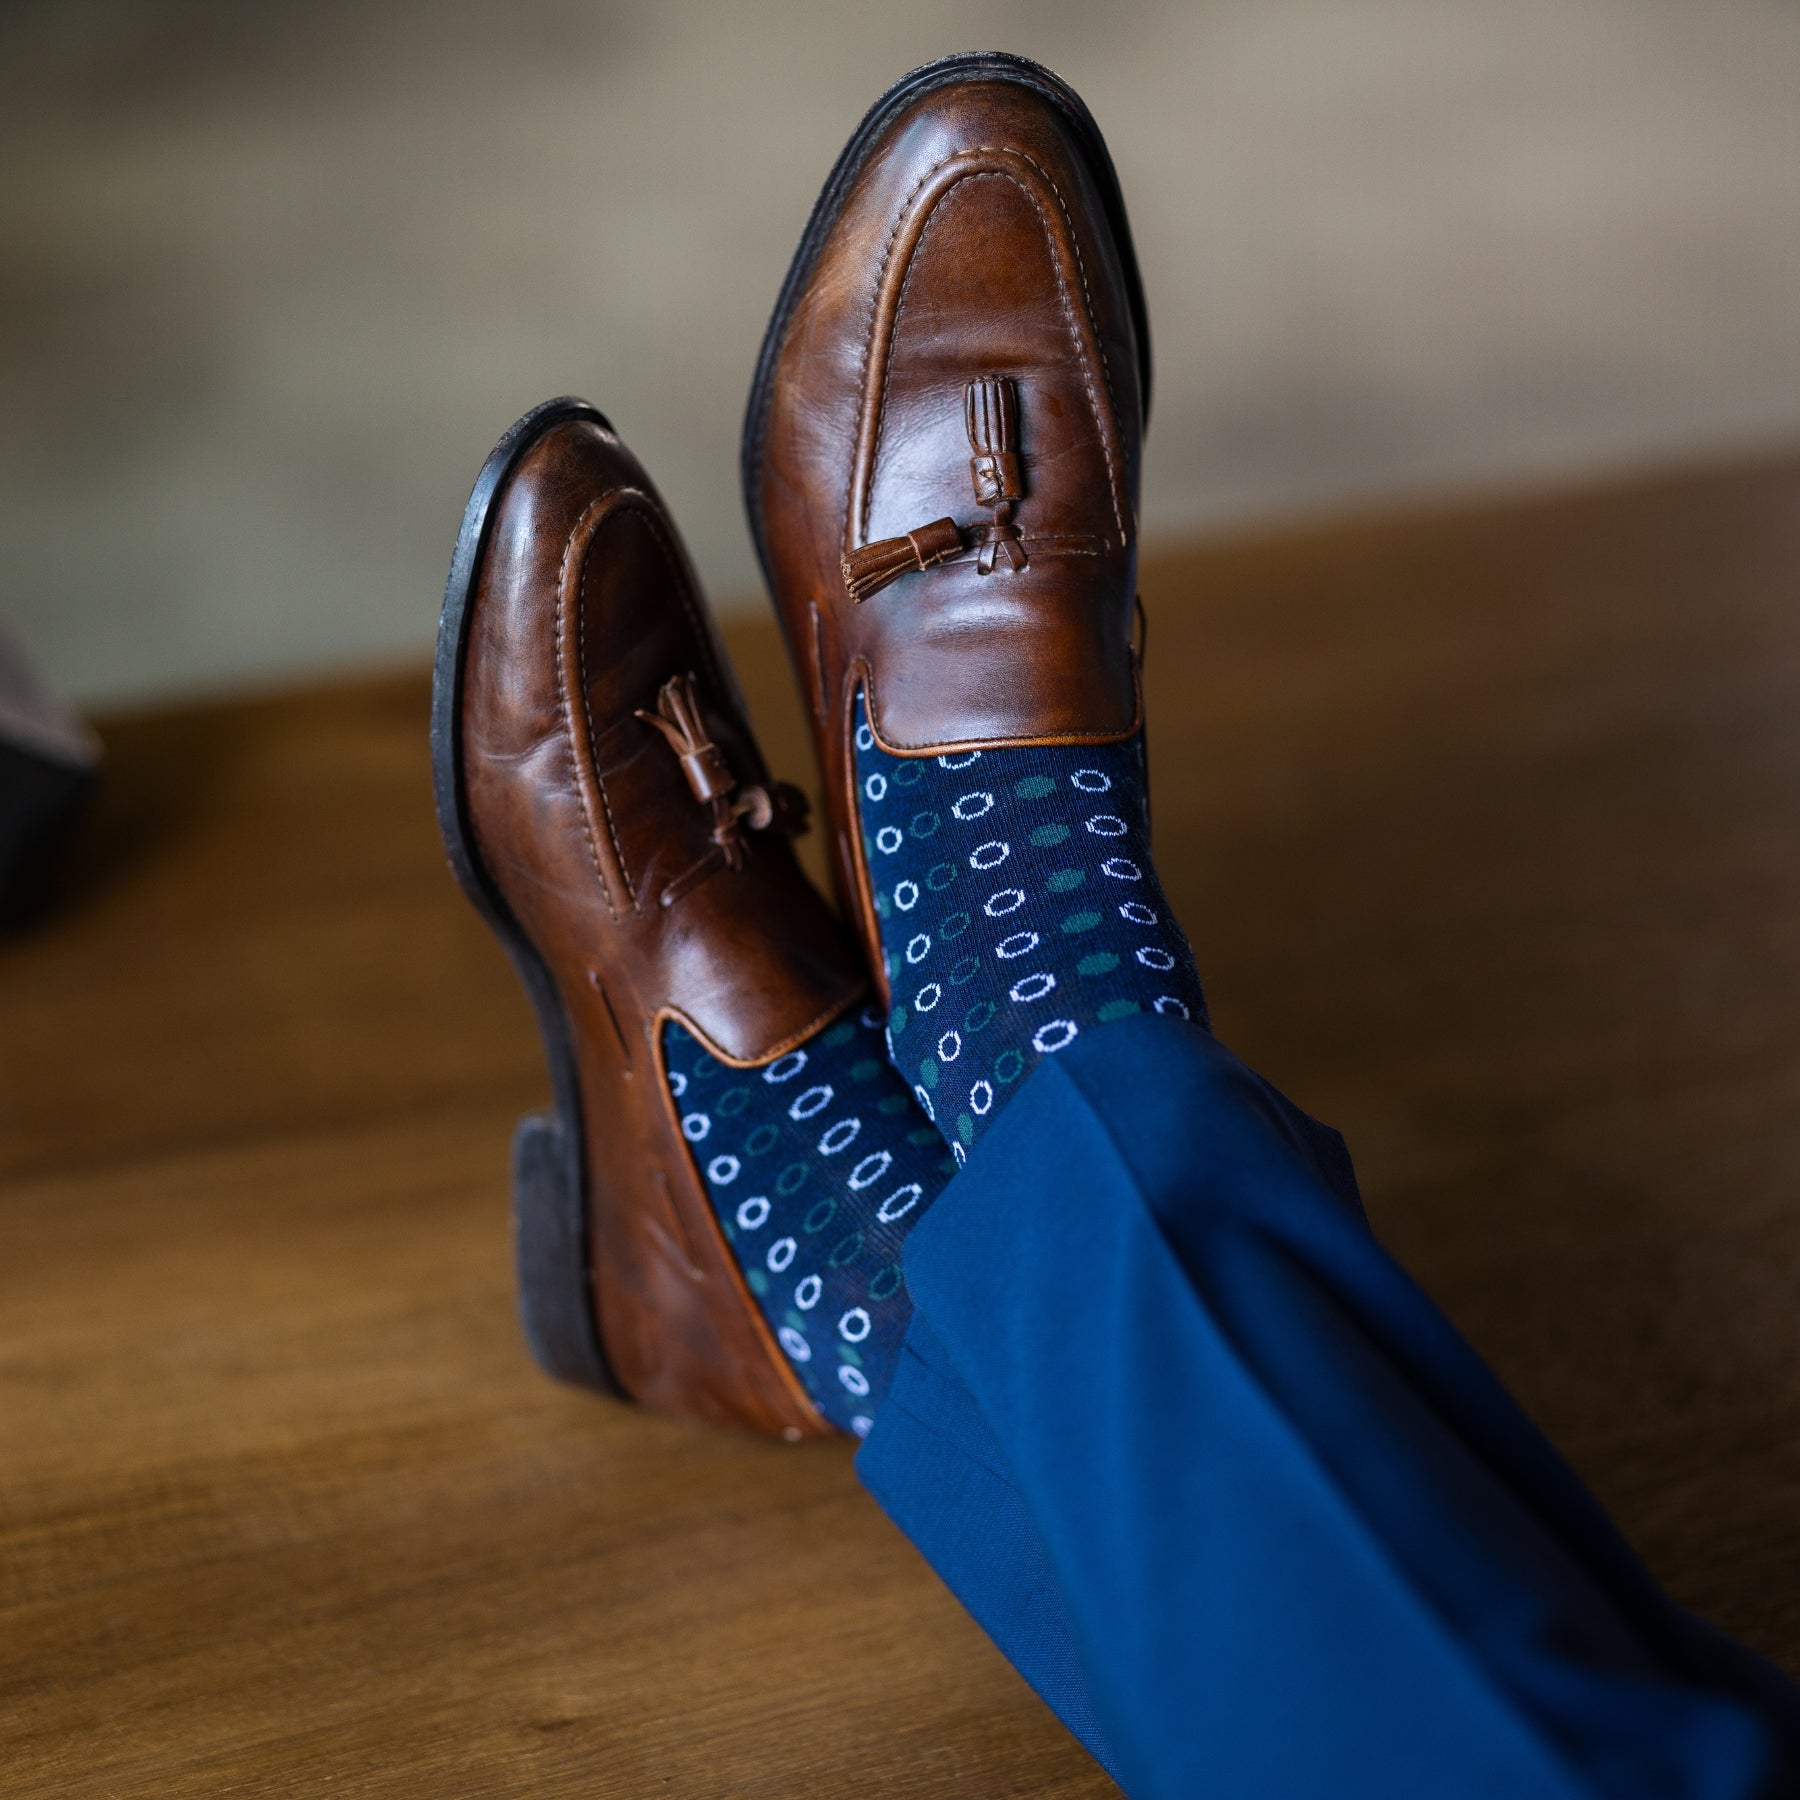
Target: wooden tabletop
(1486, 827)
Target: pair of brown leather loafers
(941, 469)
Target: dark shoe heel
(550, 1253)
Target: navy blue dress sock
(818, 1165)
(1018, 908)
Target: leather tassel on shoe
(868, 570)
(709, 776)
(991, 410)
(677, 717)
(991, 413)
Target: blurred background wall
(273, 278)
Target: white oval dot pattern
(817, 1166)
(1019, 911)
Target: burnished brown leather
(602, 810)
(957, 342)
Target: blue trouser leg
(1238, 1501)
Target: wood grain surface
(1486, 826)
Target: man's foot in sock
(817, 1165)
(1018, 908)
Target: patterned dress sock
(818, 1165)
(1018, 908)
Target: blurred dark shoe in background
(49, 766)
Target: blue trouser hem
(1239, 1503)
(938, 1473)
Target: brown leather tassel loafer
(941, 451)
(606, 809)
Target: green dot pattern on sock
(816, 1167)
(1036, 898)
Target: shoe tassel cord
(991, 412)
(735, 807)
